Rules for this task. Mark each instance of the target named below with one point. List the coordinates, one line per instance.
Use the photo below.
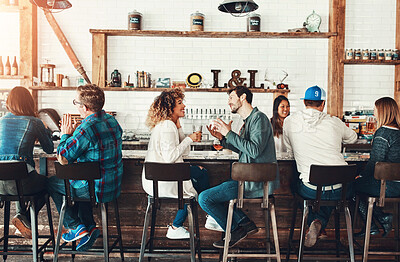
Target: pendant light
(52, 4)
(237, 8)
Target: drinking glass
(371, 125)
(197, 128)
(217, 145)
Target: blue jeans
(372, 187)
(325, 211)
(80, 212)
(200, 182)
(214, 200)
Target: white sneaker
(179, 233)
(211, 224)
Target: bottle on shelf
(14, 68)
(1, 66)
(7, 68)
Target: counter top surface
(211, 155)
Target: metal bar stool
(89, 171)
(323, 176)
(383, 171)
(254, 172)
(175, 172)
(17, 171)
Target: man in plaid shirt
(96, 139)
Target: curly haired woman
(168, 144)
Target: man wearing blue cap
(314, 137)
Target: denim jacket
(254, 144)
(18, 135)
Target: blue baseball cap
(315, 93)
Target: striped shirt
(97, 139)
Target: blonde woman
(168, 144)
(385, 148)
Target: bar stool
(254, 172)
(175, 172)
(89, 171)
(17, 171)
(383, 171)
(322, 176)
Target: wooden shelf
(254, 90)
(370, 62)
(9, 8)
(209, 34)
(12, 77)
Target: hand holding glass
(197, 129)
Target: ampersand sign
(236, 80)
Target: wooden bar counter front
(133, 201)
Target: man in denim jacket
(255, 144)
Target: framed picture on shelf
(163, 82)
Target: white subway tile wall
(369, 24)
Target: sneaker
(75, 234)
(322, 234)
(23, 225)
(87, 241)
(312, 233)
(211, 224)
(178, 233)
(238, 234)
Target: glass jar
(197, 21)
(373, 54)
(365, 54)
(357, 54)
(388, 54)
(253, 23)
(395, 55)
(381, 54)
(134, 20)
(349, 54)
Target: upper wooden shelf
(209, 34)
(254, 90)
(370, 62)
(12, 77)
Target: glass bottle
(7, 69)
(14, 68)
(1, 66)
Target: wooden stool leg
(290, 241)
(60, 226)
(50, 219)
(104, 220)
(34, 227)
(145, 229)
(267, 232)
(337, 231)
(303, 231)
(349, 232)
(197, 230)
(368, 228)
(6, 227)
(275, 231)
(121, 247)
(152, 227)
(228, 231)
(191, 231)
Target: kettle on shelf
(116, 78)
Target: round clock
(313, 22)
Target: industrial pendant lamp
(52, 4)
(237, 8)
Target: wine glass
(217, 145)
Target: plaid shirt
(97, 139)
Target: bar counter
(133, 200)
